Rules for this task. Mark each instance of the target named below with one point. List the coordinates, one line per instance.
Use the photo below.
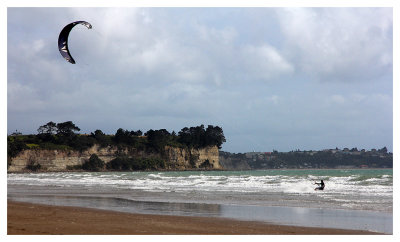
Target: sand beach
(35, 219)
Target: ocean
(352, 199)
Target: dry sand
(34, 219)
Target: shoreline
(177, 170)
(36, 219)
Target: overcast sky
(272, 78)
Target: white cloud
(23, 98)
(141, 43)
(219, 37)
(346, 44)
(275, 99)
(37, 46)
(169, 68)
(337, 99)
(358, 97)
(265, 62)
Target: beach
(35, 219)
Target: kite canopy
(63, 39)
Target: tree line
(64, 136)
(318, 159)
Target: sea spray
(354, 189)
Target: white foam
(338, 189)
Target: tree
(199, 137)
(97, 133)
(157, 138)
(136, 133)
(184, 136)
(93, 164)
(124, 136)
(120, 135)
(67, 128)
(215, 136)
(79, 142)
(48, 128)
(101, 138)
(193, 136)
(14, 146)
(119, 164)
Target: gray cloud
(272, 78)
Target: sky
(273, 78)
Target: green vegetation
(93, 164)
(121, 163)
(63, 136)
(199, 137)
(331, 158)
(128, 164)
(328, 159)
(15, 145)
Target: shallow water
(353, 199)
(354, 189)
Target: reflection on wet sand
(126, 205)
(311, 217)
(164, 204)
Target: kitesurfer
(321, 185)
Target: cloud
(224, 36)
(337, 99)
(340, 44)
(250, 70)
(265, 62)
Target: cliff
(60, 160)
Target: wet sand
(35, 219)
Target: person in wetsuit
(321, 185)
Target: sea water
(355, 199)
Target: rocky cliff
(60, 160)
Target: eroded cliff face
(181, 159)
(59, 160)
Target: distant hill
(330, 158)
